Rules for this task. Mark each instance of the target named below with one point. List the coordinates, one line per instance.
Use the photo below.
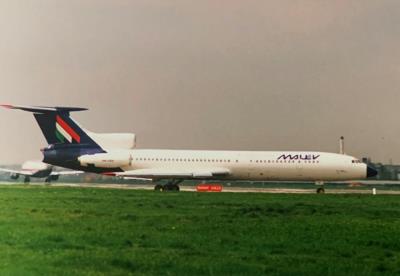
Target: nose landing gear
(320, 189)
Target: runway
(311, 190)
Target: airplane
(38, 169)
(71, 146)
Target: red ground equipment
(209, 188)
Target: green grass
(70, 231)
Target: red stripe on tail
(68, 129)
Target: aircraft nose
(371, 172)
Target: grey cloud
(257, 75)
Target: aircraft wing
(61, 173)
(154, 174)
(27, 173)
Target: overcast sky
(209, 74)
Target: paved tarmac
(233, 189)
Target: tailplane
(57, 125)
(60, 129)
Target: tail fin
(57, 125)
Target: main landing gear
(172, 185)
(321, 189)
(51, 178)
(27, 180)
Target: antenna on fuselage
(341, 145)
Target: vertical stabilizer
(57, 126)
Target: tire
(172, 188)
(158, 188)
(167, 188)
(320, 191)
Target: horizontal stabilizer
(57, 125)
(44, 109)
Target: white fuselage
(252, 166)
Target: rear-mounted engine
(106, 160)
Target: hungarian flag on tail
(65, 133)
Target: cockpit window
(356, 161)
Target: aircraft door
(299, 170)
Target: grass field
(47, 230)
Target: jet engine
(109, 160)
(114, 140)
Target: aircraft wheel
(27, 180)
(176, 188)
(172, 187)
(158, 188)
(168, 187)
(320, 191)
(165, 188)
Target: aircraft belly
(252, 172)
